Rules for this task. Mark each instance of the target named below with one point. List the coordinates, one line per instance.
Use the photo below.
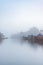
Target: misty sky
(20, 15)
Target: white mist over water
(18, 53)
(19, 16)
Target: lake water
(20, 53)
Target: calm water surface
(20, 53)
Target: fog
(17, 16)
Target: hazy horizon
(20, 15)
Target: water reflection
(22, 42)
(19, 52)
(31, 43)
(1, 41)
